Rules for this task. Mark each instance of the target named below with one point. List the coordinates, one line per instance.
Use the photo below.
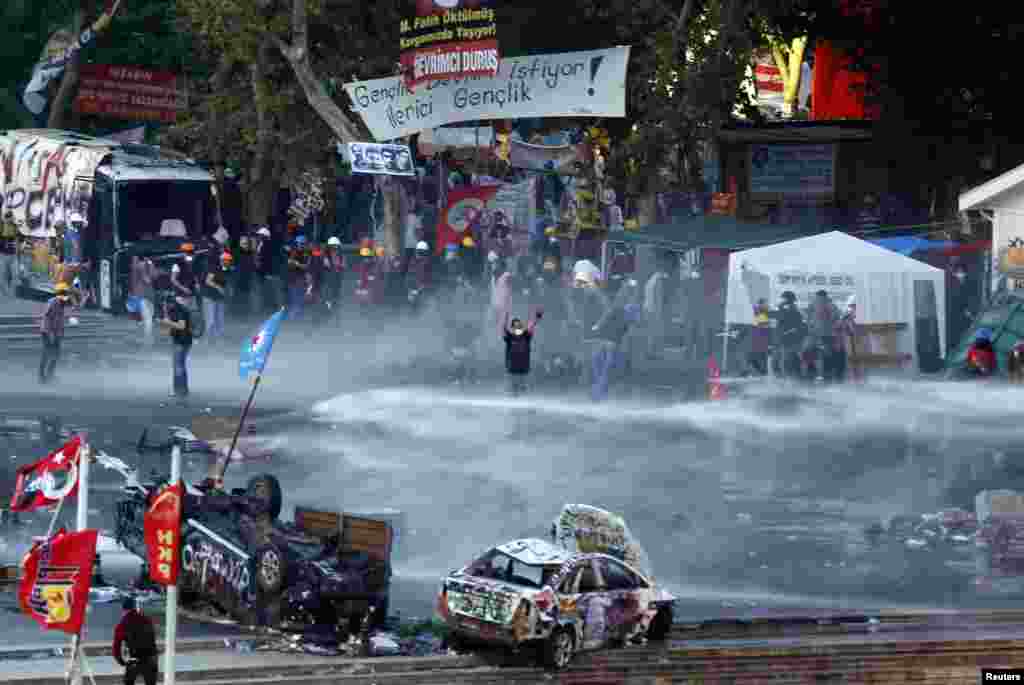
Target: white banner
(559, 159)
(469, 139)
(587, 83)
(379, 158)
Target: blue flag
(256, 350)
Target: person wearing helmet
(298, 284)
(334, 273)
(518, 336)
(981, 356)
(366, 273)
(215, 296)
(270, 254)
(8, 255)
(419, 280)
(819, 345)
(791, 331)
(51, 327)
(760, 339)
(183, 273)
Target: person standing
(334, 275)
(136, 635)
(518, 337)
(609, 333)
(791, 331)
(8, 255)
(654, 311)
(183, 274)
(177, 320)
(52, 329)
(215, 295)
(298, 268)
(760, 339)
(244, 276)
(820, 344)
(141, 288)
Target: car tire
(558, 650)
(271, 570)
(661, 625)
(266, 488)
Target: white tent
(887, 287)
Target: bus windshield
(149, 210)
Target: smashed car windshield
(499, 566)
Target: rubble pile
(951, 528)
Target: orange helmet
(227, 258)
(317, 252)
(380, 251)
(468, 242)
(188, 247)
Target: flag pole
(81, 523)
(171, 620)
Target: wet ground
(755, 505)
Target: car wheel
(267, 489)
(271, 570)
(661, 625)
(558, 650)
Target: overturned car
(324, 568)
(556, 597)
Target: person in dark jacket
(791, 331)
(518, 338)
(177, 320)
(981, 356)
(134, 645)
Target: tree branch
(681, 33)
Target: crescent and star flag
(47, 481)
(256, 349)
(162, 528)
(716, 391)
(56, 575)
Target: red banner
(45, 482)
(162, 527)
(56, 577)
(449, 39)
(839, 91)
(129, 93)
(463, 207)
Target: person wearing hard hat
(269, 256)
(419, 283)
(215, 295)
(472, 259)
(51, 327)
(334, 274)
(8, 255)
(298, 284)
(366, 273)
(183, 274)
(760, 339)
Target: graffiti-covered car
(237, 555)
(534, 592)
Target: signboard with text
(130, 93)
(444, 39)
(839, 286)
(784, 169)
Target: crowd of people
(810, 345)
(483, 302)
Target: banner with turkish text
(448, 39)
(130, 93)
(162, 528)
(49, 480)
(56, 576)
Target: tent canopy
(887, 286)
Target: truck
(84, 206)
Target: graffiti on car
(213, 569)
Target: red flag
(162, 526)
(56, 577)
(45, 482)
(716, 391)
(463, 206)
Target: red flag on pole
(56, 577)
(716, 391)
(49, 480)
(162, 526)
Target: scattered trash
(916, 543)
(384, 645)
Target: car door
(592, 603)
(624, 589)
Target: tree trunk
(61, 103)
(218, 82)
(319, 99)
(790, 59)
(394, 215)
(260, 189)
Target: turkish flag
(716, 391)
(50, 479)
(56, 575)
(162, 528)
